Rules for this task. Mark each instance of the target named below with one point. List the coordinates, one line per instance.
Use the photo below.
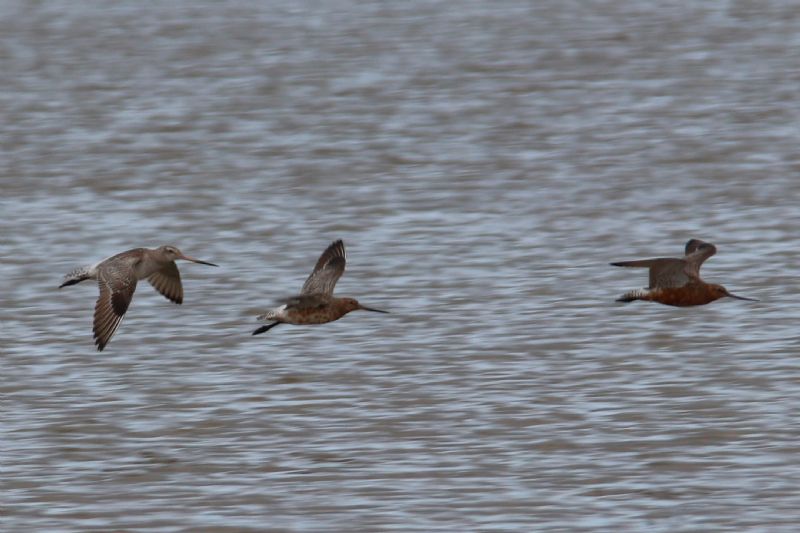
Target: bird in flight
(316, 304)
(676, 281)
(117, 277)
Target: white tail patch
(273, 314)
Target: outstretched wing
(117, 284)
(694, 260)
(664, 271)
(668, 273)
(167, 281)
(327, 271)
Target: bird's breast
(688, 295)
(321, 315)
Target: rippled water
(483, 161)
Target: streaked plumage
(316, 304)
(117, 277)
(676, 281)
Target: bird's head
(171, 253)
(351, 304)
(721, 292)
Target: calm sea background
(484, 162)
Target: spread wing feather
(167, 281)
(117, 284)
(327, 271)
(700, 252)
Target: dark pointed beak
(742, 298)
(193, 260)
(372, 309)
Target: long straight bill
(742, 298)
(193, 260)
(372, 309)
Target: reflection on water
(484, 164)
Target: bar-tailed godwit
(117, 277)
(676, 281)
(316, 304)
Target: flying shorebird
(117, 277)
(676, 281)
(316, 304)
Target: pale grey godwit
(676, 281)
(316, 304)
(117, 277)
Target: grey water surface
(483, 162)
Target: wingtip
(339, 245)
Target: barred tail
(269, 315)
(77, 275)
(274, 316)
(638, 294)
(276, 313)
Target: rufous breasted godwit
(316, 304)
(117, 277)
(676, 281)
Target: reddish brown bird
(316, 304)
(676, 281)
(117, 277)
